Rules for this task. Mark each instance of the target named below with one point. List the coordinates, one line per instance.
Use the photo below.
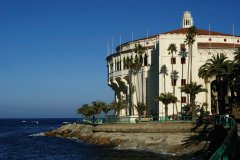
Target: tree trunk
(164, 82)
(188, 71)
(166, 112)
(173, 82)
(172, 73)
(131, 112)
(191, 64)
(192, 102)
(181, 90)
(206, 94)
(176, 108)
(136, 87)
(142, 87)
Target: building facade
(148, 83)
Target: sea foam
(37, 134)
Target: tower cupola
(187, 20)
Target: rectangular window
(183, 99)
(173, 82)
(182, 47)
(183, 82)
(183, 60)
(173, 60)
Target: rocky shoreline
(179, 139)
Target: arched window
(136, 57)
(111, 66)
(128, 61)
(120, 65)
(124, 63)
(131, 59)
(141, 59)
(145, 60)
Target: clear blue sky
(52, 52)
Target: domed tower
(187, 20)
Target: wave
(37, 134)
(35, 122)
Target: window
(237, 41)
(111, 67)
(173, 82)
(183, 99)
(120, 65)
(173, 60)
(117, 66)
(225, 40)
(183, 60)
(141, 59)
(182, 47)
(210, 39)
(183, 82)
(145, 60)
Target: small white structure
(147, 84)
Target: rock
(153, 137)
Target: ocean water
(21, 139)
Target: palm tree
(174, 77)
(218, 66)
(237, 55)
(139, 49)
(85, 110)
(234, 77)
(193, 89)
(140, 107)
(171, 49)
(190, 39)
(183, 55)
(97, 106)
(106, 108)
(174, 102)
(164, 71)
(128, 65)
(204, 74)
(118, 106)
(166, 99)
(136, 67)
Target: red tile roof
(199, 32)
(183, 31)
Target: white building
(148, 83)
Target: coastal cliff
(163, 138)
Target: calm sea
(21, 139)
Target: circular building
(136, 72)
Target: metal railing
(226, 149)
(139, 119)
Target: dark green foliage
(140, 107)
(118, 106)
(193, 89)
(166, 99)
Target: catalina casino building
(148, 83)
